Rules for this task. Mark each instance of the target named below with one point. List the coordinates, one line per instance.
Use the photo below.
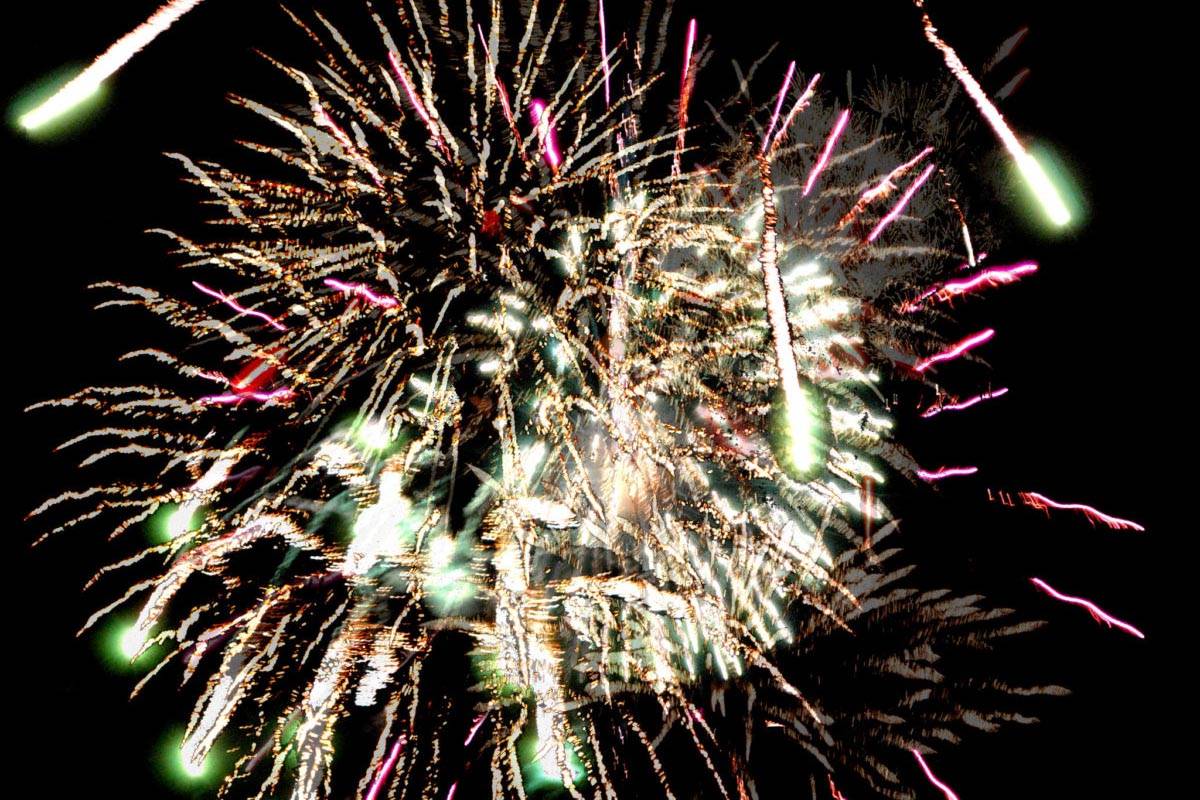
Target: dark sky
(1098, 411)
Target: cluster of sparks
(628, 448)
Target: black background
(1098, 412)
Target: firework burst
(500, 370)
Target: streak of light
(1097, 613)
(960, 405)
(229, 301)
(86, 83)
(838, 127)
(363, 291)
(972, 341)
(787, 81)
(545, 131)
(386, 769)
(946, 790)
(604, 57)
(800, 104)
(945, 472)
(1030, 169)
(1043, 503)
(901, 204)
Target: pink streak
(885, 186)
(361, 290)
(504, 104)
(604, 55)
(933, 411)
(990, 277)
(801, 104)
(1097, 613)
(229, 301)
(882, 189)
(995, 276)
(386, 769)
(833, 790)
(324, 119)
(687, 61)
(413, 98)
(545, 132)
(950, 795)
(453, 788)
(262, 397)
(901, 204)
(1043, 503)
(475, 728)
(946, 472)
(787, 81)
(974, 340)
(830, 143)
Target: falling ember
(901, 204)
(1097, 613)
(827, 151)
(1029, 167)
(274, 323)
(363, 291)
(544, 126)
(950, 795)
(1043, 503)
(86, 83)
(945, 472)
(960, 405)
(955, 351)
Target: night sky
(1096, 413)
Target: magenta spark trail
(960, 405)
(1097, 613)
(827, 151)
(1043, 503)
(950, 795)
(901, 204)
(963, 346)
(229, 301)
(945, 472)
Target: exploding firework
(529, 427)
